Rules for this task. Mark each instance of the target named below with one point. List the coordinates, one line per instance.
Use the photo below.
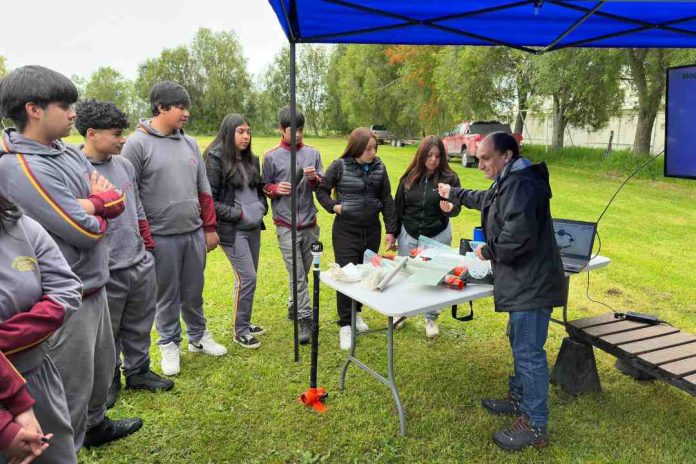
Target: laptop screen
(575, 238)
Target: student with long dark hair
(39, 293)
(363, 191)
(419, 209)
(235, 181)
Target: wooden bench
(661, 351)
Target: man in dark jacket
(528, 276)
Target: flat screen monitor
(680, 123)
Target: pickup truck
(383, 134)
(464, 139)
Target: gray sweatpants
(51, 410)
(305, 237)
(244, 257)
(132, 295)
(83, 351)
(180, 263)
(407, 243)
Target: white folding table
(405, 299)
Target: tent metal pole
(577, 24)
(293, 194)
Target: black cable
(626, 180)
(599, 247)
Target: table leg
(389, 381)
(392, 381)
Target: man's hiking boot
(507, 406)
(109, 430)
(520, 435)
(148, 380)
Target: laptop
(575, 240)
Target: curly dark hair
(95, 114)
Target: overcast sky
(79, 36)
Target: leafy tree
(108, 84)
(364, 80)
(311, 85)
(313, 63)
(415, 89)
(334, 119)
(583, 85)
(484, 83)
(212, 69)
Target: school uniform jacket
(276, 169)
(46, 182)
(128, 235)
(38, 291)
(172, 181)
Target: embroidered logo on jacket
(24, 263)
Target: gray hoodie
(276, 168)
(38, 292)
(126, 247)
(46, 183)
(172, 181)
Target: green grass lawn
(243, 407)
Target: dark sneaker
(520, 435)
(114, 389)
(148, 380)
(304, 334)
(247, 341)
(507, 406)
(109, 431)
(256, 330)
(291, 315)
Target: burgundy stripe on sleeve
(207, 212)
(146, 234)
(26, 330)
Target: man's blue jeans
(529, 383)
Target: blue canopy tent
(534, 26)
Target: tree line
(413, 90)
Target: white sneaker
(208, 346)
(360, 325)
(344, 337)
(171, 364)
(431, 329)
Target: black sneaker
(148, 380)
(256, 330)
(507, 406)
(291, 315)
(247, 341)
(114, 389)
(520, 435)
(109, 431)
(304, 334)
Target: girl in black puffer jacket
(234, 174)
(362, 192)
(419, 209)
